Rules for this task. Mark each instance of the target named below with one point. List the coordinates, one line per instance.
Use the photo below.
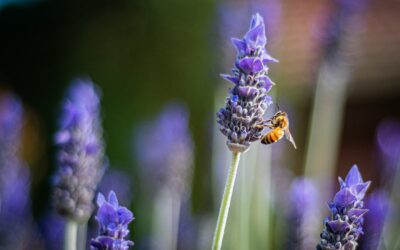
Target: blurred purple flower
(15, 213)
(81, 151)
(344, 226)
(248, 100)
(303, 194)
(378, 203)
(164, 149)
(52, 228)
(388, 141)
(11, 112)
(113, 224)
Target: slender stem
(82, 235)
(226, 202)
(71, 231)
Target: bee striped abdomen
(272, 136)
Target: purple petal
(256, 37)
(353, 177)
(230, 78)
(338, 225)
(344, 198)
(268, 58)
(342, 183)
(112, 198)
(240, 45)
(235, 98)
(125, 216)
(106, 214)
(356, 212)
(256, 20)
(92, 148)
(247, 92)
(102, 242)
(268, 83)
(62, 137)
(100, 199)
(359, 190)
(251, 65)
(268, 100)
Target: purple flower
(113, 224)
(164, 149)
(248, 99)
(11, 113)
(388, 143)
(303, 194)
(52, 227)
(15, 213)
(344, 226)
(81, 151)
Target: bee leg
(262, 126)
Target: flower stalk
(71, 232)
(245, 106)
(226, 202)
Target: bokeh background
(338, 78)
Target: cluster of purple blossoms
(81, 152)
(113, 224)
(248, 99)
(344, 226)
(164, 149)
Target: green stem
(226, 202)
(71, 231)
(82, 235)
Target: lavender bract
(344, 226)
(81, 152)
(113, 224)
(248, 99)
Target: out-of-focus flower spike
(301, 216)
(81, 151)
(16, 227)
(379, 206)
(164, 149)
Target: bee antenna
(277, 106)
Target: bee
(279, 125)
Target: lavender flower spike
(113, 224)
(344, 226)
(248, 99)
(81, 153)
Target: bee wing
(289, 137)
